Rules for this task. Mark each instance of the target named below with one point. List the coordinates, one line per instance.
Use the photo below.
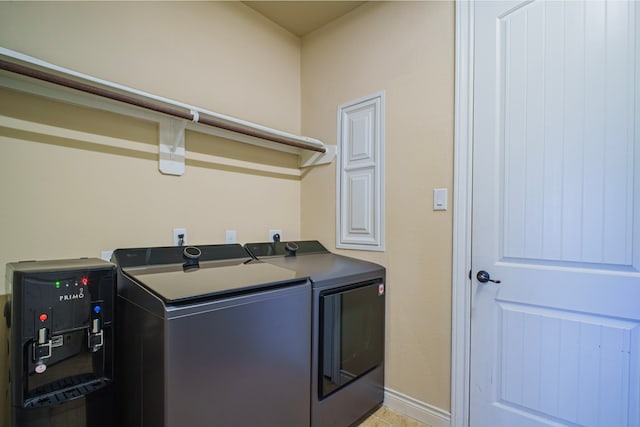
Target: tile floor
(385, 417)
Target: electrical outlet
(231, 237)
(273, 233)
(106, 255)
(177, 232)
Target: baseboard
(419, 411)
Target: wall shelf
(31, 75)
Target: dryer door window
(351, 334)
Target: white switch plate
(231, 237)
(439, 199)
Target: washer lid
(213, 279)
(182, 274)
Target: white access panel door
(556, 215)
(360, 174)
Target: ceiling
(302, 17)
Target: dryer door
(351, 334)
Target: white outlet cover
(176, 239)
(272, 232)
(231, 237)
(106, 255)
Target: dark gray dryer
(347, 381)
(211, 337)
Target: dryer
(348, 328)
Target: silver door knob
(484, 277)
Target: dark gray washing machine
(211, 337)
(347, 379)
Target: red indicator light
(43, 317)
(85, 281)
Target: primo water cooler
(59, 319)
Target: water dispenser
(59, 316)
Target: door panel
(555, 214)
(565, 366)
(567, 181)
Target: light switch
(439, 199)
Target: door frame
(462, 199)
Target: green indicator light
(57, 284)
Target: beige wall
(67, 199)
(222, 56)
(405, 49)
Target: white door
(556, 214)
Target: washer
(348, 329)
(210, 336)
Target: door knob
(484, 277)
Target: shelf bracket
(171, 146)
(308, 158)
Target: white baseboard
(419, 411)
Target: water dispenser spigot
(95, 339)
(41, 350)
(43, 336)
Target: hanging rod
(194, 114)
